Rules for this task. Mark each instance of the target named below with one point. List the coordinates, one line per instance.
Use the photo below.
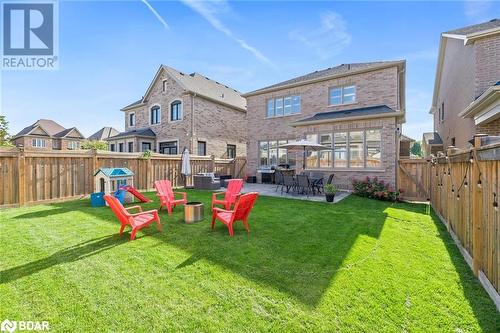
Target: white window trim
(43, 144)
(149, 115)
(342, 95)
(348, 151)
(133, 113)
(170, 110)
(283, 107)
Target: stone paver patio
(270, 190)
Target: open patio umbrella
(185, 165)
(302, 146)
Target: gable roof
(432, 138)
(144, 132)
(468, 34)
(115, 172)
(406, 138)
(65, 133)
(473, 30)
(364, 112)
(103, 133)
(325, 74)
(50, 127)
(197, 84)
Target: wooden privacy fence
(29, 176)
(463, 190)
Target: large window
(155, 115)
(112, 147)
(120, 147)
(176, 111)
(354, 149)
(231, 151)
(271, 154)
(342, 95)
(283, 106)
(130, 147)
(169, 147)
(202, 148)
(38, 143)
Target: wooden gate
(414, 179)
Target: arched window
(176, 111)
(155, 115)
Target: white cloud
(477, 10)
(209, 10)
(327, 40)
(158, 16)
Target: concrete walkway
(270, 190)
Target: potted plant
(330, 191)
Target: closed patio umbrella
(185, 165)
(302, 146)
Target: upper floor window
(164, 85)
(176, 111)
(131, 119)
(155, 115)
(38, 143)
(342, 95)
(283, 106)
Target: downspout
(193, 95)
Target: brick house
(354, 109)
(184, 110)
(49, 135)
(466, 98)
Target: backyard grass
(357, 266)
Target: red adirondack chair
(241, 210)
(167, 196)
(137, 221)
(234, 187)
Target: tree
(95, 145)
(416, 149)
(4, 133)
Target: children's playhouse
(109, 180)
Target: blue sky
(110, 50)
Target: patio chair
(167, 196)
(288, 183)
(234, 187)
(241, 211)
(278, 179)
(320, 185)
(304, 184)
(137, 221)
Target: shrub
(375, 189)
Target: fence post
(149, 174)
(21, 165)
(212, 163)
(95, 164)
(477, 209)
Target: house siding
(377, 87)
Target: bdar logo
(8, 326)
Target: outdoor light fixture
(479, 183)
(458, 197)
(495, 203)
(449, 173)
(453, 188)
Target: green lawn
(357, 266)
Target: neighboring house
(49, 135)
(466, 97)
(103, 134)
(354, 109)
(405, 144)
(182, 110)
(431, 144)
